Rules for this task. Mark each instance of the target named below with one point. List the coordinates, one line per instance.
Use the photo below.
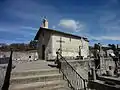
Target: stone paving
(33, 65)
(39, 64)
(36, 75)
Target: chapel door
(43, 52)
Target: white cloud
(29, 28)
(53, 27)
(71, 24)
(104, 38)
(111, 37)
(16, 40)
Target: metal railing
(5, 72)
(75, 81)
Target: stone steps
(49, 85)
(35, 78)
(34, 72)
(38, 79)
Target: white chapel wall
(85, 48)
(55, 46)
(70, 46)
(48, 50)
(39, 46)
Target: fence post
(84, 85)
(93, 74)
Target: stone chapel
(49, 41)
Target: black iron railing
(5, 74)
(75, 81)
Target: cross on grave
(60, 44)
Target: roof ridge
(48, 29)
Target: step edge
(39, 70)
(35, 76)
(35, 84)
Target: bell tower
(45, 23)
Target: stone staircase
(38, 79)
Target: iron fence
(75, 81)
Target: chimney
(45, 23)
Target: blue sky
(98, 20)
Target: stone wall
(21, 55)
